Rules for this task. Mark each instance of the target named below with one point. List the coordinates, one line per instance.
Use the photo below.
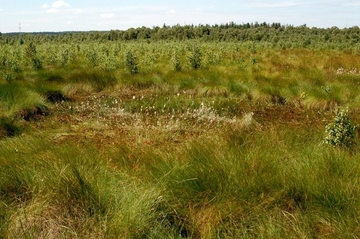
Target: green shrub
(36, 63)
(340, 132)
(31, 53)
(131, 62)
(175, 61)
(92, 58)
(195, 58)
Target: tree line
(276, 34)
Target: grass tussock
(230, 186)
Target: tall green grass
(57, 191)
(18, 102)
(15, 97)
(247, 182)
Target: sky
(87, 15)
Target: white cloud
(59, 4)
(69, 23)
(45, 5)
(1, 10)
(172, 11)
(275, 4)
(78, 11)
(55, 6)
(107, 15)
(52, 10)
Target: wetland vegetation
(180, 132)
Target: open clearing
(104, 138)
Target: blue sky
(85, 15)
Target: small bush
(195, 58)
(31, 53)
(36, 63)
(175, 61)
(92, 58)
(131, 62)
(340, 132)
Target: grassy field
(213, 140)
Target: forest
(225, 131)
(275, 35)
